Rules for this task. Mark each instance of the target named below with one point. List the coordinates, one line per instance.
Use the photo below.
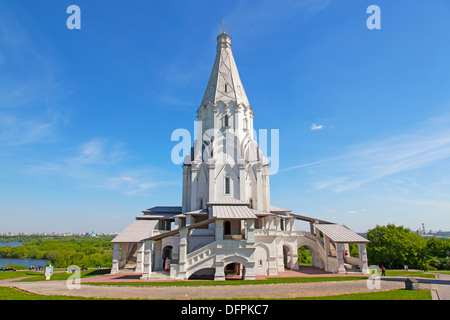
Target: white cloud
(101, 164)
(316, 127)
(130, 185)
(99, 151)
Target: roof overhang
(136, 231)
(309, 219)
(340, 234)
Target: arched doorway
(234, 271)
(227, 228)
(304, 256)
(309, 261)
(166, 254)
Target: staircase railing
(199, 255)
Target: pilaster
(250, 231)
(242, 189)
(212, 180)
(148, 249)
(116, 257)
(194, 185)
(140, 258)
(219, 230)
(259, 187)
(340, 257)
(363, 257)
(184, 234)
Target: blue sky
(86, 115)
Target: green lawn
(401, 294)
(195, 283)
(65, 275)
(401, 273)
(17, 274)
(7, 293)
(39, 276)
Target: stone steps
(160, 275)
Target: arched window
(167, 252)
(252, 203)
(201, 203)
(226, 121)
(226, 87)
(227, 185)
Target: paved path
(440, 289)
(270, 291)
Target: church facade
(227, 225)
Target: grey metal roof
(233, 212)
(163, 209)
(173, 232)
(228, 201)
(157, 216)
(339, 233)
(136, 231)
(200, 211)
(278, 209)
(309, 219)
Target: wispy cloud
(18, 131)
(94, 154)
(137, 183)
(422, 202)
(420, 147)
(304, 165)
(99, 163)
(29, 69)
(98, 152)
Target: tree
(438, 248)
(304, 256)
(394, 247)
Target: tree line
(62, 251)
(396, 246)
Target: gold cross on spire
(223, 26)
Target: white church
(227, 225)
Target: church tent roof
(136, 231)
(339, 233)
(224, 83)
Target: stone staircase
(160, 275)
(200, 258)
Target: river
(4, 262)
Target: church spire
(224, 83)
